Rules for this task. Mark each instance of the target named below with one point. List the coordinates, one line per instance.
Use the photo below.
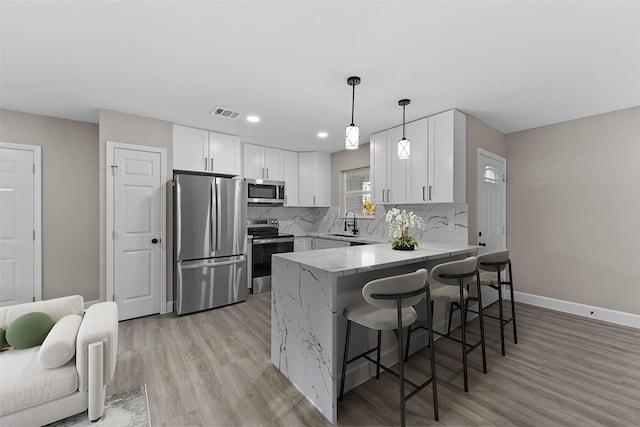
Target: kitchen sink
(344, 235)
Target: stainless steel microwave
(265, 192)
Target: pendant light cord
(353, 101)
(403, 121)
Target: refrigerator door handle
(211, 214)
(206, 264)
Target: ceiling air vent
(224, 112)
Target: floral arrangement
(368, 208)
(399, 224)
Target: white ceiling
(515, 65)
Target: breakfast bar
(309, 292)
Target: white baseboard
(589, 311)
(169, 307)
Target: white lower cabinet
(301, 244)
(320, 243)
(314, 179)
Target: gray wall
(479, 135)
(70, 239)
(573, 205)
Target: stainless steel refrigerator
(209, 241)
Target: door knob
(154, 241)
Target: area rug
(128, 408)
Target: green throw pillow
(3, 339)
(29, 330)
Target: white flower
(400, 221)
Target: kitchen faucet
(353, 225)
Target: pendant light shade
(352, 133)
(404, 145)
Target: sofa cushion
(60, 345)
(57, 308)
(26, 383)
(29, 330)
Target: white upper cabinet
(204, 151)
(417, 132)
(263, 162)
(436, 170)
(378, 167)
(315, 179)
(389, 173)
(290, 172)
(225, 154)
(190, 149)
(447, 157)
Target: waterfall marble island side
(309, 292)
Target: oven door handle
(273, 240)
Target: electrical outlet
(451, 219)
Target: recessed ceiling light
(253, 119)
(322, 134)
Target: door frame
(111, 145)
(497, 158)
(37, 212)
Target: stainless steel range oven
(266, 242)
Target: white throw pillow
(60, 345)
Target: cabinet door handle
(388, 196)
(314, 200)
(382, 196)
(267, 173)
(430, 192)
(423, 196)
(212, 164)
(205, 163)
(285, 199)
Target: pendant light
(404, 145)
(352, 133)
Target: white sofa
(33, 395)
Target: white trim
(37, 213)
(111, 145)
(169, 307)
(590, 311)
(500, 159)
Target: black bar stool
(456, 275)
(493, 266)
(388, 305)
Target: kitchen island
(309, 292)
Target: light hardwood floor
(213, 368)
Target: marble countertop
(356, 259)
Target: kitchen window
(357, 193)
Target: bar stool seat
(384, 319)
(447, 294)
(388, 305)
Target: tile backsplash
(327, 220)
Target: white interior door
(492, 195)
(138, 231)
(20, 277)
